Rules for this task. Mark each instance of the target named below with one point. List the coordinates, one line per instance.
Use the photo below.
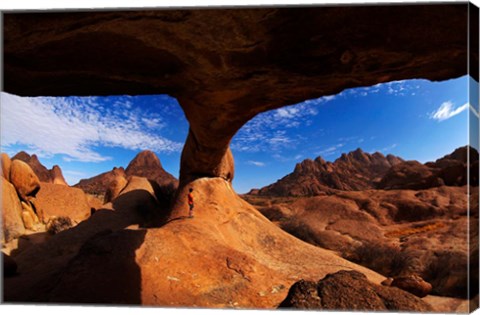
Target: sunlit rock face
(227, 65)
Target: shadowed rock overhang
(227, 65)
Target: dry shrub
(447, 272)
(301, 231)
(273, 213)
(56, 225)
(386, 259)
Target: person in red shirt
(190, 203)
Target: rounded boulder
(11, 212)
(24, 179)
(6, 164)
(413, 284)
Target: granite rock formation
(61, 201)
(413, 284)
(418, 226)
(12, 224)
(356, 170)
(24, 179)
(450, 170)
(145, 164)
(99, 184)
(83, 264)
(224, 66)
(227, 65)
(6, 163)
(350, 290)
(54, 176)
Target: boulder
(303, 295)
(98, 185)
(24, 179)
(115, 187)
(387, 282)
(56, 176)
(27, 206)
(351, 290)
(28, 220)
(9, 265)
(38, 168)
(11, 212)
(6, 164)
(413, 284)
(61, 201)
(410, 175)
(94, 203)
(139, 195)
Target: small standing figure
(190, 203)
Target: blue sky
(414, 119)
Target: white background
(52, 4)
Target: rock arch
(227, 65)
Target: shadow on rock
(48, 269)
(103, 272)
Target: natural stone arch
(227, 65)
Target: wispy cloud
(287, 158)
(447, 110)
(394, 88)
(330, 150)
(271, 131)
(256, 163)
(76, 127)
(389, 148)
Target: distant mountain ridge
(98, 184)
(145, 164)
(359, 170)
(356, 170)
(450, 170)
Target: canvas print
(320, 157)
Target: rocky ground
(393, 232)
(137, 249)
(396, 217)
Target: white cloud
(283, 158)
(390, 147)
(447, 110)
(395, 88)
(330, 150)
(153, 122)
(268, 131)
(256, 163)
(74, 127)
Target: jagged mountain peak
(355, 170)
